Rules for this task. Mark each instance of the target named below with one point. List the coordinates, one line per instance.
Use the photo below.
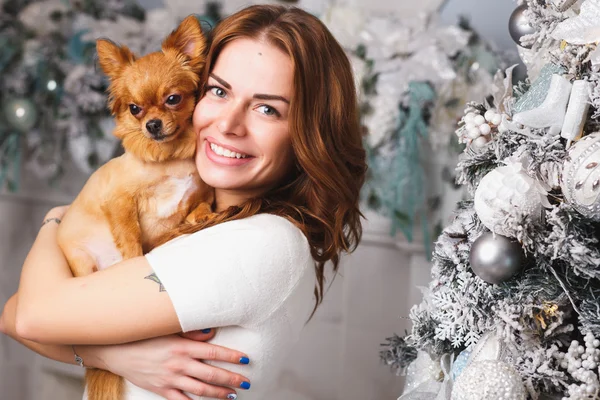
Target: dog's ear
(113, 58)
(189, 40)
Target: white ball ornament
(508, 191)
(469, 118)
(489, 380)
(485, 129)
(479, 120)
(580, 182)
(473, 133)
(489, 115)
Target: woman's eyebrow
(221, 81)
(259, 96)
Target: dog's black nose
(154, 126)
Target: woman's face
(244, 145)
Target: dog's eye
(173, 99)
(135, 110)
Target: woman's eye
(134, 109)
(217, 91)
(268, 110)
(173, 99)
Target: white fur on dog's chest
(169, 194)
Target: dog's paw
(197, 218)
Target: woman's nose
(231, 120)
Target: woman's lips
(223, 160)
(228, 147)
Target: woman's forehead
(249, 62)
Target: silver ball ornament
(518, 25)
(20, 113)
(489, 380)
(580, 181)
(495, 259)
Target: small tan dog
(131, 201)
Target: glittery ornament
(551, 113)
(424, 378)
(538, 91)
(508, 191)
(460, 363)
(495, 258)
(21, 114)
(489, 380)
(583, 28)
(518, 24)
(581, 176)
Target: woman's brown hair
(321, 196)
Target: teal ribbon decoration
(78, 49)
(408, 185)
(9, 49)
(10, 153)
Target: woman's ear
(189, 40)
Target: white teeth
(225, 152)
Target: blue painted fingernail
(244, 360)
(206, 330)
(232, 396)
(245, 385)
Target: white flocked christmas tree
(513, 307)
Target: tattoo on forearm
(57, 220)
(154, 278)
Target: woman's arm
(120, 304)
(234, 274)
(62, 353)
(165, 366)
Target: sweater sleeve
(236, 273)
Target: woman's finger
(57, 212)
(198, 388)
(207, 351)
(215, 375)
(201, 336)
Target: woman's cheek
(204, 113)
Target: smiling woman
(279, 140)
(245, 112)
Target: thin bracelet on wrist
(57, 220)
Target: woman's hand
(170, 365)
